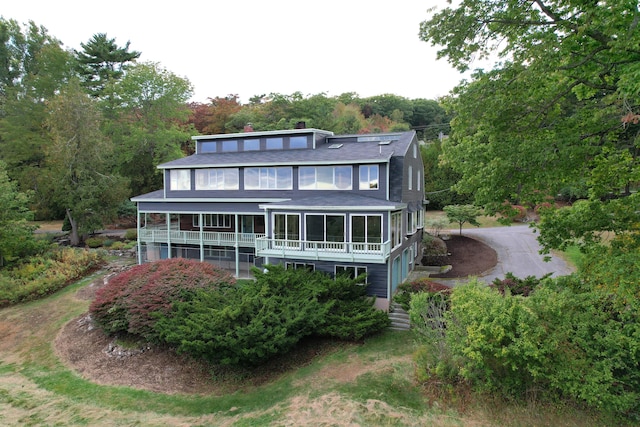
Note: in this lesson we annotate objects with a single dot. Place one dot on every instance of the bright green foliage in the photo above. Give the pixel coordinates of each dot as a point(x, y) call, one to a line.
point(569, 339)
point(462, 214)
point(588, 222)
point(147, 122)
point(252, 322)
point(16, 235)
point(563, 106)
point(33, 67)
point(440, 179)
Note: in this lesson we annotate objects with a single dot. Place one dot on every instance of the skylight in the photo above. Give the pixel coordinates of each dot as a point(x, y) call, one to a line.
point(335, 146)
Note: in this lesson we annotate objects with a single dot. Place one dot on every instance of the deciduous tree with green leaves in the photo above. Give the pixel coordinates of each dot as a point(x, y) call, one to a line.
point(16, 234)
point(148, 122)
point(560, 109)
point(462, 214)
point(33, 67)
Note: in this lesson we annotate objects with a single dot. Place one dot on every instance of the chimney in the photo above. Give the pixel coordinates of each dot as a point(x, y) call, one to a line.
point(301, 125)
point(248, 127)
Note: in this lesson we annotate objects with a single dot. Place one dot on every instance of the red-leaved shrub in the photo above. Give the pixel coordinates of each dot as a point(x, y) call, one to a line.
point(133, 300)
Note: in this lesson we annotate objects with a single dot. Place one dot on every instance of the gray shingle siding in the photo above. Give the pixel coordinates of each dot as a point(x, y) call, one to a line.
point(393, 152)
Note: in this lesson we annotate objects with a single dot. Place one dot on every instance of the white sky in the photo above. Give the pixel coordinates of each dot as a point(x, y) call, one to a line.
point(253, 47)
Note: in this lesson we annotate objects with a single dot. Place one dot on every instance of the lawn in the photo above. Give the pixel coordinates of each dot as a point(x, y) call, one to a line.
point(367, 384)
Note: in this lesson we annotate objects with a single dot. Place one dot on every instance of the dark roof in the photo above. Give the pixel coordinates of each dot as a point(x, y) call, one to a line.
point(154, 195)
point(349, 152)
point(339, 201)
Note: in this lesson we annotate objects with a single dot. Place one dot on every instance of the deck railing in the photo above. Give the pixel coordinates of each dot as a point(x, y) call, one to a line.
point(159, 235)
point(329, 251)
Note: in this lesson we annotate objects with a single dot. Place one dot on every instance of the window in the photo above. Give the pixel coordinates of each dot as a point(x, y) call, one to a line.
point(412, 222)
point(325, 228)
point(420, 218)
point(325, 178)
point(251, 144)
point(274, 144)
point(180, 179)
point(299, 265)
point(415, 151)
point(366, 229)
point(351, 271)
point(368, 177)
point(229, 146)
point(298, 142)
point(419, 181)
point(208, 147)
point(286, 226)
point(268, 178)
point(396, 229)
point(213, 221)
point(217, 179)
point(410, 178)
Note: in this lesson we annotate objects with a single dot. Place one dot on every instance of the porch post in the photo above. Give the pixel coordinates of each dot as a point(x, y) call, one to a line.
point(201, 224)
point(168, 234)
point(237, 247)
point(267, 232)
point(138, 232)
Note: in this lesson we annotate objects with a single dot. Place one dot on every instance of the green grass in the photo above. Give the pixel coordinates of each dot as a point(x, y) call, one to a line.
point(573, 255)
point(369, 383)
point(485, 221)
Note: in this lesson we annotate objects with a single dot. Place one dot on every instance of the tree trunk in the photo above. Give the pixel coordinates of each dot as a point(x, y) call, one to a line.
point(74, 237)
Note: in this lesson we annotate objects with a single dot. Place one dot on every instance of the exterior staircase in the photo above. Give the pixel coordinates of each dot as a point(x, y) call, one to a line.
point(399, 318)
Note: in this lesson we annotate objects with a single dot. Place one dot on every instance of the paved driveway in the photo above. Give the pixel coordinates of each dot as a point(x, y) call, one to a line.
point(518, 252)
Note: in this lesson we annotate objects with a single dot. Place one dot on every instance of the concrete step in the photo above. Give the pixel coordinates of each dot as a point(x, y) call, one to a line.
point(399, 318)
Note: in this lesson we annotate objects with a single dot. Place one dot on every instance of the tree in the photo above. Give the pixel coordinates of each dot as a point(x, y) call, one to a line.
point(440, 179)
point(16, 235)
point(33, 67)
point(562, 103)
point(462, 214)
point(147, 119)
point(102, 61)
point(219, 114)
point(80, 162)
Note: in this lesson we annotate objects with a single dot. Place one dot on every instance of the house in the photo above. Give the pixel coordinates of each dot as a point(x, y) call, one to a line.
point(305, 198)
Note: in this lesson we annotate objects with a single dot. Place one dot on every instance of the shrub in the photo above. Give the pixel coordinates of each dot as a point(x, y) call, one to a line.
point(513, 213)
point(433, 245)
point(256, 320)
point(407, 290)
point(45, 274)
point(107, 243)
point(131, 234)
point(117, 246)
point(564, 341)
point(94, 242)
point(351, 314)
point(134, 300)
point(436, 224)
point(516, 286)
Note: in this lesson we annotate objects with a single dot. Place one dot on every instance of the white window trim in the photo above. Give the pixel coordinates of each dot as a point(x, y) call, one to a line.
point(315, 179)
point(366, 185)
point(357, 271)
point(263, 184)
point(344, 227)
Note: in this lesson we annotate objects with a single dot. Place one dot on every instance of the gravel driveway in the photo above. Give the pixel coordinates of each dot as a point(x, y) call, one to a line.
point(518, 252)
